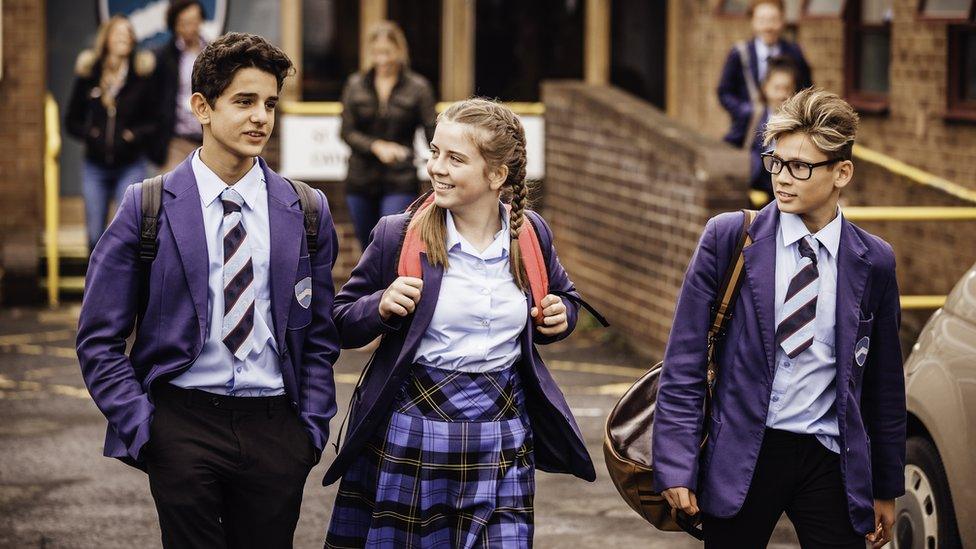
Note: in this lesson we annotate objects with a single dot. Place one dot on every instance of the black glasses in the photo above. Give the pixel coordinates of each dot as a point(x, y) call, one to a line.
point(798, 169)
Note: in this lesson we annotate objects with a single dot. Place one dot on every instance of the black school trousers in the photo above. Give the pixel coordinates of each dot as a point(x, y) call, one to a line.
point(226, 472)
point(797, 475)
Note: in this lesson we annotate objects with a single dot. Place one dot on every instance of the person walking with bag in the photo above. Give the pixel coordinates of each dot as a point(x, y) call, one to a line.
point(226, 393)
point(112, 109)
point(456, 409)
point(382, 108)
point(808, 415)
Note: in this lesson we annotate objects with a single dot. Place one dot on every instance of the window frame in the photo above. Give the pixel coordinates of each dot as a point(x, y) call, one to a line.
point(921, 16)
point(865, 102)
point(805, 14)
point(958, 109)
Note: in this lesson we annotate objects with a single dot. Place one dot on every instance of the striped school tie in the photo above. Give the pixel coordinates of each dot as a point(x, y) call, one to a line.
point(238, 323)
point(795, 332)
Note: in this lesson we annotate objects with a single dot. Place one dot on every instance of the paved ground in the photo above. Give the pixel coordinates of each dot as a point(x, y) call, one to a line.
point(57, 491)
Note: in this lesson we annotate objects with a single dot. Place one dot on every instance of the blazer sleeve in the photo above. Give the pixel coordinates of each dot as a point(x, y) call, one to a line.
point(355, 138)
point(428, 111)
point(356, 313)
point(558, 281)
point(803, 73)
point(883, 395)
point(108, 313)
point(321, 347)
point(677, 430)
point(731, 86)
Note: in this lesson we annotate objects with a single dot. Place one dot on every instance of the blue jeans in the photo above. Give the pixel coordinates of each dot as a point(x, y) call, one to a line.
point(367, 210)
point(99, 185)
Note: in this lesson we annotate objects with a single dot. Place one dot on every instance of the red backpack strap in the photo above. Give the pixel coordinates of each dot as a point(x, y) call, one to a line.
point(534, 262)
point(408, 263)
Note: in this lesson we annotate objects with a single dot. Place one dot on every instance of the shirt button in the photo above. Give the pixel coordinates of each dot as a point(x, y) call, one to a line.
point(238, 369)
point(485, 291)
point(485, 322)
point(775, 398)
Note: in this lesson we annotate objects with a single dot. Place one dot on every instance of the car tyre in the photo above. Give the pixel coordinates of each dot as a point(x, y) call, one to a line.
point(924, 516)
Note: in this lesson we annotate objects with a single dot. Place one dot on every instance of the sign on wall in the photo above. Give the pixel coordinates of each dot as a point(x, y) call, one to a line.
point(312, 150)
point(148, 17)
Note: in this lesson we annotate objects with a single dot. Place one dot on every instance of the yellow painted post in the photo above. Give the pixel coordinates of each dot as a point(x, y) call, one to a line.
point(370, 12)
point(52, 198)
point(596, 42)
point(291, 43)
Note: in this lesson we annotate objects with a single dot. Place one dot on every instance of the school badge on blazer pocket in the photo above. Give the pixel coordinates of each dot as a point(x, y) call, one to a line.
point(861, 350)
point(303, 292)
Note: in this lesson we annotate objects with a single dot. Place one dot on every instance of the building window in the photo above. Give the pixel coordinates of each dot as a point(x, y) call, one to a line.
point(734, 7)
point(962, 73)
point(823, 8)
point(791, 9)
point(868, 54)
point(946, 10)
point(637, 59)
point(330, 47)
point(519, 44)
point(421, 23)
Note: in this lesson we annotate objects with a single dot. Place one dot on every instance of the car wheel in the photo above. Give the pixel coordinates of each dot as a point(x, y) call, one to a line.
point(924, 517)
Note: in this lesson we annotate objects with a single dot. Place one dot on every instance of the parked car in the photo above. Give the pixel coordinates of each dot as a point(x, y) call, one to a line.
point(938, 510)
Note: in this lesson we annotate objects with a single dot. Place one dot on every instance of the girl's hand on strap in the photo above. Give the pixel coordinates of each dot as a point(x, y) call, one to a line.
point(401, 297)
point(554, 321)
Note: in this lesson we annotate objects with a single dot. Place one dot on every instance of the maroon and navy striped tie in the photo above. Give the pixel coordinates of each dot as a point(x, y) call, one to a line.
point(238, 322)
point(796, 329)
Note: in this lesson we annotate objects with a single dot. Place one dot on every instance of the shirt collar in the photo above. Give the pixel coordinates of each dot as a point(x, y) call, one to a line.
point(793, 229)
point(763, 51)
point(181, 44)
point(498, 248)
point(210, 185)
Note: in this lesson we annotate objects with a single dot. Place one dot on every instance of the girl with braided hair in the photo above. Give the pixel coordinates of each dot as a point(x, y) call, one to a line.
point(456, 409)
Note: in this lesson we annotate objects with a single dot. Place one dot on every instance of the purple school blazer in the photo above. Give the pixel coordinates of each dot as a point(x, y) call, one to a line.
point(559, 447)
point(870, 390)
point(171, 329)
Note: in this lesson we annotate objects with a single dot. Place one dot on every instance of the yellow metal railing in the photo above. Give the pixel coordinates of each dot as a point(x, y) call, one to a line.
point(334, 108)
point(914, 174)
point(52, 198)
point(909, 213)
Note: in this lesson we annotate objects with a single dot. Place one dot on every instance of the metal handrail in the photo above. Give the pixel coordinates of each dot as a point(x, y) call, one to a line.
point(916, 175)
point(334, 108)
point(52, 197)
point(909, 213)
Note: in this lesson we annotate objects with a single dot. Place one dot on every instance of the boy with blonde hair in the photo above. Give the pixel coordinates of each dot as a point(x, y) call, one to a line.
point(809, 409)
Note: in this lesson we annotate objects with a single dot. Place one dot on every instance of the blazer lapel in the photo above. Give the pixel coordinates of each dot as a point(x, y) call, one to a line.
point(185, 220)
point(760, 265)
point(425, 308)
point(853, 269)
point(287, 226)
point(754, 63)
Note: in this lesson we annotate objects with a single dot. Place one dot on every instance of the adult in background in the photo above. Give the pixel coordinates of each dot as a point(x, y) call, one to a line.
point(739, 90)
point(381, 110)
point(179, 131)
point(113, 110)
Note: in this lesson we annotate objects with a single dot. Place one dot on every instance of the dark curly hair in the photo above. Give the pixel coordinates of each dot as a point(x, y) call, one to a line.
point(176, 7)
point(217, 64)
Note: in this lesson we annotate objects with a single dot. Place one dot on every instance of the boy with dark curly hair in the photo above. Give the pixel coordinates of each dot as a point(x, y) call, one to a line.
point(225, 396)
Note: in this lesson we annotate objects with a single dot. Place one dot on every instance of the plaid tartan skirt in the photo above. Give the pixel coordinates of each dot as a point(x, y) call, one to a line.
point(454, 468)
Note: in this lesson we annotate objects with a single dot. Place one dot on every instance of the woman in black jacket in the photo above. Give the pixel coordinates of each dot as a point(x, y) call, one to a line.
point(381, 110)
point(113, 110)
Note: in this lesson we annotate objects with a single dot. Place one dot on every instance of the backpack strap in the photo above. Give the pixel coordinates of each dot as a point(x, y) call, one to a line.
point(727, 295)
point(755, 97)
point(152, 199)
point(310, 210)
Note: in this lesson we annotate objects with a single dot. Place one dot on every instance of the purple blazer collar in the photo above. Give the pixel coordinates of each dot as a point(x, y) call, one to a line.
point(286, 224)
point(853, 269)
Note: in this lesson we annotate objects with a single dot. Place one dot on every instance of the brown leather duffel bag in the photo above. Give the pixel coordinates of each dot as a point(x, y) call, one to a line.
point(627, 440)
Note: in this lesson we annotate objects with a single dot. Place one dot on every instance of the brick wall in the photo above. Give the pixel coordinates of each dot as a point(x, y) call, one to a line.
point(21, 157)
point(628, 192)
point(913, 130)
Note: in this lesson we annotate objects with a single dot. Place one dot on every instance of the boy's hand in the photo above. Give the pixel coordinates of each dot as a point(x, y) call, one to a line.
point(683, 499)
point(554, 321)
point(401, 297)
point(884, 520)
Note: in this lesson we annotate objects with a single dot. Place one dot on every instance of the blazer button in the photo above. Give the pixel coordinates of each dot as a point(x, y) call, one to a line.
point(215, 402)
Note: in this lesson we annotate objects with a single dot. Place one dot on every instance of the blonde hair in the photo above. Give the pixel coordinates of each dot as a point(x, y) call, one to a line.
point(829, 121)
point(101, 38)
point(500, 138)
point(392, 32)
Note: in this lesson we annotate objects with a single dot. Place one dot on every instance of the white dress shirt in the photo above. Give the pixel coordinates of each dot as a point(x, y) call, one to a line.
point(216, 370)
point(480, 312)
point(804, 388)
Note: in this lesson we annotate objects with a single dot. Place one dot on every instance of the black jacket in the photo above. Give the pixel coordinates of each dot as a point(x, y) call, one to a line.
point(135, 110)
point(411, 104)
point(167, 79)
